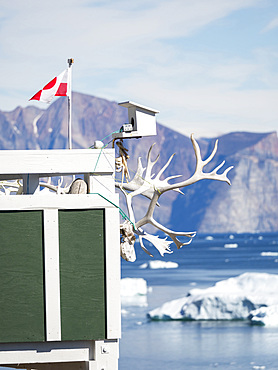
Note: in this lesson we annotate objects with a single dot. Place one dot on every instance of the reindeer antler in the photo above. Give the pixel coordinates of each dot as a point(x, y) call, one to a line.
point(199, 174)
point(153, 187)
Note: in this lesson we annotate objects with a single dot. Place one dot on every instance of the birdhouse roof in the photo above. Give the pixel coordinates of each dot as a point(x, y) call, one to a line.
point(130, 104)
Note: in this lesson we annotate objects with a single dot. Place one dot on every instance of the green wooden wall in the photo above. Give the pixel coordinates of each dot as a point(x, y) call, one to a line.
point(21, 277)
point(82, 274)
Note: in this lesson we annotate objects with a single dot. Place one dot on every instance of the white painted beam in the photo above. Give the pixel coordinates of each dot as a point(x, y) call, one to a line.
point(113, 273)
point(55, 162)
point(59, 201)
point(45, 352)
point(52, 275)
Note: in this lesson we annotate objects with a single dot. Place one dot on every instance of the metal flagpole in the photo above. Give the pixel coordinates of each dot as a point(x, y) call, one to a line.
point(70, 62)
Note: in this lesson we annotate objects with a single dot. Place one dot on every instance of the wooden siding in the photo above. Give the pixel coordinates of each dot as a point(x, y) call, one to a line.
point(82, 274)
point(21, 276)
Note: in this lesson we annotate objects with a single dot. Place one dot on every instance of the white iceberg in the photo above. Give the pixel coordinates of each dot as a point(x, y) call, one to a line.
point(267, 316)
point(231, 299)
point(133, 286)
point(134, 292)
point(157, 264)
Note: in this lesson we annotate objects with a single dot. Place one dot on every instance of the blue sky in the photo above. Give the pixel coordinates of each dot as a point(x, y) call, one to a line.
point(209, 66)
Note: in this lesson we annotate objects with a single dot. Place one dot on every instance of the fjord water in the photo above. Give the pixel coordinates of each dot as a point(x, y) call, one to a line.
point(193, 345)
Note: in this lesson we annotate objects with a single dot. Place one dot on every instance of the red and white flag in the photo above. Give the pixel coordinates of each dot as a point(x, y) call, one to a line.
point(59, 86)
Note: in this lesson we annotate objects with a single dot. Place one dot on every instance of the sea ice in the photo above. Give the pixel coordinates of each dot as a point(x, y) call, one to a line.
point(231, 299)
point(157, 264)
point(267, 316)
point(134, 292)
point(231, 245)
point(269, 254)
point(133, 286)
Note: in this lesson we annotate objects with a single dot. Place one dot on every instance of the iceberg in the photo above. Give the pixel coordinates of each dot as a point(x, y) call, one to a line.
point(134, 292)
point(133, 286)
point(231, 299)
point(267, 316)
point(159, 265)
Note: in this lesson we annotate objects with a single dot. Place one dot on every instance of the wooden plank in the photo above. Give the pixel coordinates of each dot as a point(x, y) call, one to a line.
point(68, 201)
point(45, 352)
point(113, 273)
point(52, 275)
point(55, 162)
point(82, 274)
point(21, 277)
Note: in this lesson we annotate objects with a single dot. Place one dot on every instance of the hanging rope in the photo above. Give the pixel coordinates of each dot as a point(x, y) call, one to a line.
point(119, 208)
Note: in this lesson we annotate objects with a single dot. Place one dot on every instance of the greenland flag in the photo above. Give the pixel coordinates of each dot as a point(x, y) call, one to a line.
point(59, 86)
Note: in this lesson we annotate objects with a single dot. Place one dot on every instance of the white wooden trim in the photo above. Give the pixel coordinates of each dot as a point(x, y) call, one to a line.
point(89, 355)
point(52, 275)
point(106, 355)
point(113, 274)
point(56, 162)
point(104, 184)
point(45, 352)
point(59, 201)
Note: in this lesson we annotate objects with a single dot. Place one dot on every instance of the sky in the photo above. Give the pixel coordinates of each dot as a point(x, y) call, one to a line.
point(209, 66)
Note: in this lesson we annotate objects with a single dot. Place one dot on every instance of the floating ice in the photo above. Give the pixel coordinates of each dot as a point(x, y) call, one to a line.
point(231, 299)
point(159, 265)
point(269, 254)
point(134, 292)
point(133, 286)
point(267, 316)
point(231, 245)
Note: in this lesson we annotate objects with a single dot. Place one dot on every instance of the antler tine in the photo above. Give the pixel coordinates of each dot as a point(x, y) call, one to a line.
point(196, 148)
point(214, 172)
point(165, 166)
point(150, 163)
point(143, 247)
point(172, 234)
point(210, 157)
point(172, 177)
point(225, 174)
point(201, 163)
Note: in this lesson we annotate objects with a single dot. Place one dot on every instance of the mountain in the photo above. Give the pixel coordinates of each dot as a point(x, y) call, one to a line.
point(249, 205)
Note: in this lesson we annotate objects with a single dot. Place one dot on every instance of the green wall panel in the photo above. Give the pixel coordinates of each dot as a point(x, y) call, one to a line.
point(21, 276)
point(82, 274)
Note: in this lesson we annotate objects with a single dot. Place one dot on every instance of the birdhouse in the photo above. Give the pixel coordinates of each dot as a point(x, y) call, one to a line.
point(141, 121)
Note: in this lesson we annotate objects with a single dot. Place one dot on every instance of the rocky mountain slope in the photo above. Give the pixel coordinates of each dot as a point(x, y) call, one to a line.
point(249, 205)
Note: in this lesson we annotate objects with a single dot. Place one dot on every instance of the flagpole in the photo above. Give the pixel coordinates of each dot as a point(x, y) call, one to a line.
point(70, 62)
